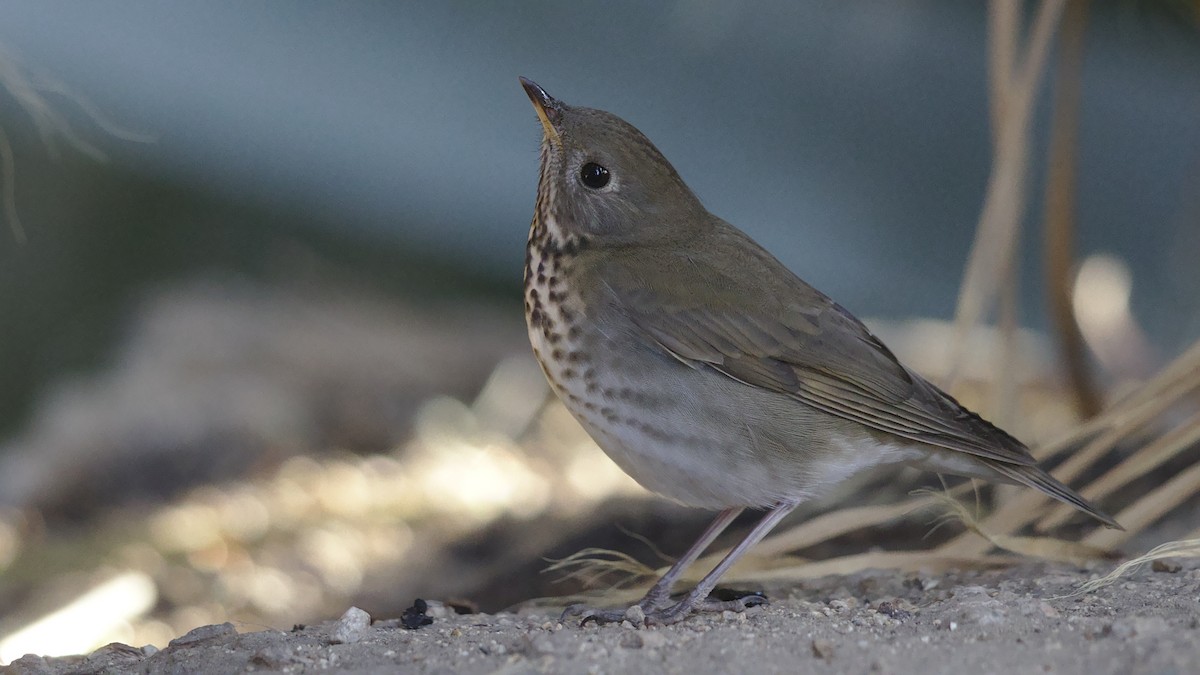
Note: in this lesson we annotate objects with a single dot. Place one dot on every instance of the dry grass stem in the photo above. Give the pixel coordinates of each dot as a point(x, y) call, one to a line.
point(1132, 415)
point(1187, 548)
point(1059, 208)
point(1121, 425)
point(1149, 509)
point(50, 124)
point(8, 188)
point(1142, 462)
point(837, 523)
point(591, 566)
point(1013, 88)
point(1038, 547)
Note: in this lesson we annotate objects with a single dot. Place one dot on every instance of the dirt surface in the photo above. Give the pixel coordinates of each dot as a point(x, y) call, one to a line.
point(1012, 620)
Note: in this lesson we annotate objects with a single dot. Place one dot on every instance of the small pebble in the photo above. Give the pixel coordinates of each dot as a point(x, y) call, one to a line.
point(204, 634)
point(274, 656)
point(822, 649)
point(635, 615)
point(652, 639)
point(1166, 565)
point(351, 627)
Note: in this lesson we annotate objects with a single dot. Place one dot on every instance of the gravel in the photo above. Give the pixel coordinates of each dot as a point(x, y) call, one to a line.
point(1015, 620)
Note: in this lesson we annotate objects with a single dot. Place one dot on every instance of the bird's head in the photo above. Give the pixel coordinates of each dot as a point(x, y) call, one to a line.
point(603, 179)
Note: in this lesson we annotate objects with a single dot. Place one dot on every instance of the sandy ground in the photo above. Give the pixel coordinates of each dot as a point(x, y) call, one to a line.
point(1011, 620)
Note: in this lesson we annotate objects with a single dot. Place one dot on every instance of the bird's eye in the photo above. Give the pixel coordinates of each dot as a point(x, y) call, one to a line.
point(594, 176)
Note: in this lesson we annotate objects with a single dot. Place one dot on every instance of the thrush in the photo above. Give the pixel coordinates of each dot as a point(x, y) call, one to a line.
point(707, 370)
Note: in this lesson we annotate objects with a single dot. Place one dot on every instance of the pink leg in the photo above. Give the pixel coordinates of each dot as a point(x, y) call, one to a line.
point(660, 593)
point(698, 598)
point(662, 590)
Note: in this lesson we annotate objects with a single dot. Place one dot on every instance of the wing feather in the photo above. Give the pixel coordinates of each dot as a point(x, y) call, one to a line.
point(830, 361)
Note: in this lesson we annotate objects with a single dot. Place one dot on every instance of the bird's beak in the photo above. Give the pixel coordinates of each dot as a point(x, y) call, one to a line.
point(549, 111)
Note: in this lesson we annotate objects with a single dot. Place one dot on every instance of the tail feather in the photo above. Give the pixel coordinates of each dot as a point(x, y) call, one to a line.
point(1038, 479)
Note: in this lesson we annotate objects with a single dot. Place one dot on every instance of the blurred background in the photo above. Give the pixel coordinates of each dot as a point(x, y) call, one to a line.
point(261, 344)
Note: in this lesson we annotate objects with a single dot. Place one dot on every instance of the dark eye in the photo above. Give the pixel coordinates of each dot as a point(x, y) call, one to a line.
point(593, 175)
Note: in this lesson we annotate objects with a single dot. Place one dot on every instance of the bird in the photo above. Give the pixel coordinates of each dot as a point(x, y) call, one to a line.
point(705, 368)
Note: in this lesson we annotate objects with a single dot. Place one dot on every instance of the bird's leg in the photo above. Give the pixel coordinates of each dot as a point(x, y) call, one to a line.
point(660, 593)
point(698, 599)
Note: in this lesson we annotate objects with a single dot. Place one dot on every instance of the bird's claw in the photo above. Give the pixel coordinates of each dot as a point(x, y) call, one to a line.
point(591, 614)
point(654, 613)
point(731, 601)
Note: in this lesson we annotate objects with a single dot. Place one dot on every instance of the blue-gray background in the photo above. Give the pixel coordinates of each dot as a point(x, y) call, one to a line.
point(850, 138)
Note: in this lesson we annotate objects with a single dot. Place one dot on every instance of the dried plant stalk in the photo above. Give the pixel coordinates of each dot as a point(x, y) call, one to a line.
point(1046, 548)
point(1149, 508)
point(1145, 460)
point(1059, 209)
point(837, 523)
point(1014, 89)
point(1189, 548)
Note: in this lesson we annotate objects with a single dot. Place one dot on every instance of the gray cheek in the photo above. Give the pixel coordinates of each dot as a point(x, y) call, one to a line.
point(604, 220)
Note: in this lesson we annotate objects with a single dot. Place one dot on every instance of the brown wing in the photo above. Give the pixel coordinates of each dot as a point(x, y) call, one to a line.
point(808, 347)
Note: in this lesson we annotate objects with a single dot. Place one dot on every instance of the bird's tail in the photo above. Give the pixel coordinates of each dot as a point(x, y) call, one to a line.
point(1037, 479)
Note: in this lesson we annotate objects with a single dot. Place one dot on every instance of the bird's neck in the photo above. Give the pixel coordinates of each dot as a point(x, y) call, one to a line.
point(550, 242)
point(548, 233)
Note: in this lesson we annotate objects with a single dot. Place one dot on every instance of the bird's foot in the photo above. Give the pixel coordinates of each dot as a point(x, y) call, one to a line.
point(654, 611)
point(720, 600)
point(594, 615)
